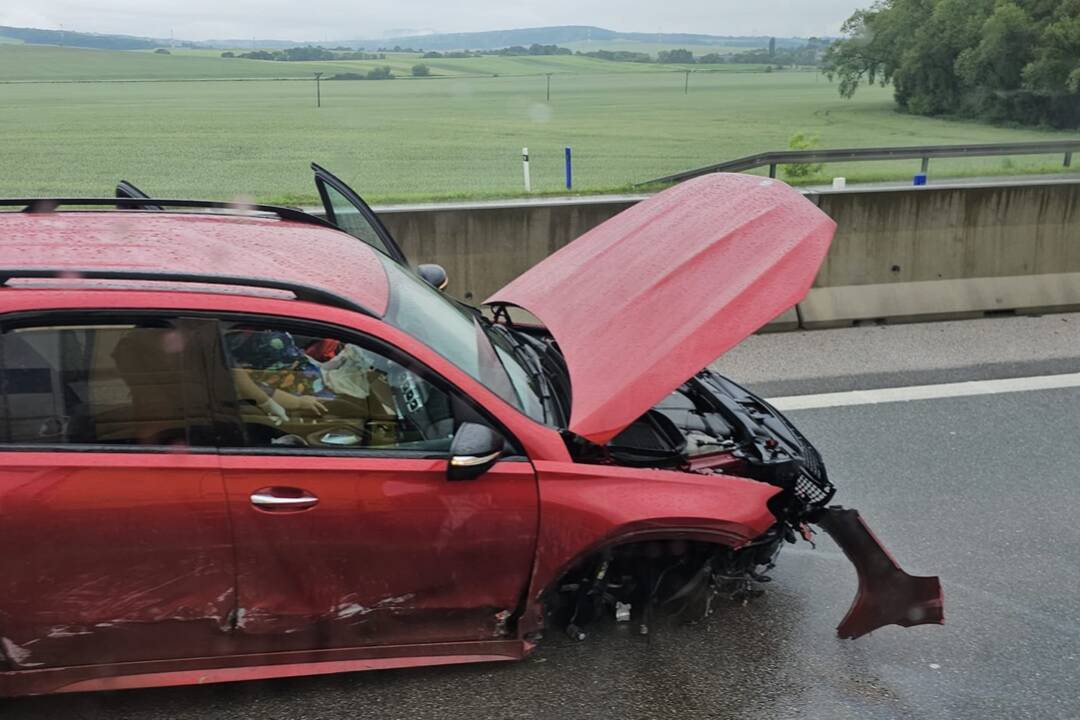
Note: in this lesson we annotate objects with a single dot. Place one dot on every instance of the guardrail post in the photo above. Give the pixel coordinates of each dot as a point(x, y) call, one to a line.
point(772, 170)
point(925, 165)
point(1068, 159)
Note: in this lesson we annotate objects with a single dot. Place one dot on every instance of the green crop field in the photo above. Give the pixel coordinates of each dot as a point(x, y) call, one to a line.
point(43, 63)
point(456, 136)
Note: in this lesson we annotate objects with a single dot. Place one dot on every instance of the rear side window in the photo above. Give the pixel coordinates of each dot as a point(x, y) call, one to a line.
point(117, 384)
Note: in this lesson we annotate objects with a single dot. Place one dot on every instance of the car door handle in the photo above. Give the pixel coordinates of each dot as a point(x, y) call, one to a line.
point(283, 498)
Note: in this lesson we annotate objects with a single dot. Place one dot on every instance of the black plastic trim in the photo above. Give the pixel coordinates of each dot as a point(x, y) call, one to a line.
point(110, 449)
point(301, 291)
point(146, 204)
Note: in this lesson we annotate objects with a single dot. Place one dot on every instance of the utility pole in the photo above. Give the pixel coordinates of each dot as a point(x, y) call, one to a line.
point(548, 87)
point(318, 90)
point(686, 85)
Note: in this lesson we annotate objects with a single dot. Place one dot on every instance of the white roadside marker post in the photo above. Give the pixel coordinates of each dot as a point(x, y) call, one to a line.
point(525, 168)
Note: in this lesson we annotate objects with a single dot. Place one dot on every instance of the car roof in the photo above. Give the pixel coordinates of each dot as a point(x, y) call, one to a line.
point(270, 252)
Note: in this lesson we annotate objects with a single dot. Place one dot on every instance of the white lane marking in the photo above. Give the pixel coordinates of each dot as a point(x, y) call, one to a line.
point(926, 392)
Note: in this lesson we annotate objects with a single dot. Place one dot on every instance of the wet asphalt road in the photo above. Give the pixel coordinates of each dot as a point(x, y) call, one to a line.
point(983, 491)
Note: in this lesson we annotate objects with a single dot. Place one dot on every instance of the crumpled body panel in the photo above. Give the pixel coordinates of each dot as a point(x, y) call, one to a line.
point(122, 559)
point(887, 595)
point(394, 553)
point(584, 508)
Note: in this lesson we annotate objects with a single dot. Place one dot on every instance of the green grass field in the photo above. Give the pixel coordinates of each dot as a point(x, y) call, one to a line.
point(42, 63)
point(450, 137)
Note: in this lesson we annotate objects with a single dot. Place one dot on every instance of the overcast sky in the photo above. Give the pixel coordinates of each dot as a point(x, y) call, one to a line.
point(351, 19)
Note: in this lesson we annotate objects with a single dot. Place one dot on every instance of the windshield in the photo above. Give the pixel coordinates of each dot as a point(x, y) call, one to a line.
point(459, 335)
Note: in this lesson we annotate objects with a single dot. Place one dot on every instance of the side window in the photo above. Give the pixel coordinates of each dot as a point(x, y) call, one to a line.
point(310, 391)
point(128, 385)
point(349, 218)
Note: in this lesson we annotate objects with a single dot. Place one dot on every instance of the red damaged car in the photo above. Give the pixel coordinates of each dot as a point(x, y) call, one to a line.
point(240, 443)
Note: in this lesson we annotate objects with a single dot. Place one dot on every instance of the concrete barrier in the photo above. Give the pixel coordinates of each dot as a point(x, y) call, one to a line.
point(948, 251)
point(484, 245)
point(899, 254)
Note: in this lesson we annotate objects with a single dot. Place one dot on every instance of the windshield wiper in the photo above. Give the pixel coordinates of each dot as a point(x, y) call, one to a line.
point(532, 361)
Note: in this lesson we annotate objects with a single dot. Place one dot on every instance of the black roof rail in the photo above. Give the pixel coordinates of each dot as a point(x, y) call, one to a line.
point(45, 205)
point(300, 291)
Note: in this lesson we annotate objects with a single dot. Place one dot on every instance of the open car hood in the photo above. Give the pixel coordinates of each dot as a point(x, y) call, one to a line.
point(643, 301)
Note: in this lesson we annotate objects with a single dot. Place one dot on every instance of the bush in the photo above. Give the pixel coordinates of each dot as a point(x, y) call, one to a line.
point(534, 49)
point(380, 73)
point(162, 51)
point(712, 59)
point(421, 70)
point(258, 55)
point(675, 56)
point(228, 54)
point(802, 141)
point(618, 56)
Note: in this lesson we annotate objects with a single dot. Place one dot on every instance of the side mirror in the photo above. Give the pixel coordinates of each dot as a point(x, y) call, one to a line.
point(473, 451)
point(434, 275)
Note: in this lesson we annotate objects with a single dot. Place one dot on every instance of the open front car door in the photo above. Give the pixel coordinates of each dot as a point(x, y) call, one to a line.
point(347, 210)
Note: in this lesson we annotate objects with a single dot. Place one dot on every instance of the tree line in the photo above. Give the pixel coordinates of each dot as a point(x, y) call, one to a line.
point(809, 54)
point(512, 51)
point(67, 38)
point(303, 54)
point(1014, 61)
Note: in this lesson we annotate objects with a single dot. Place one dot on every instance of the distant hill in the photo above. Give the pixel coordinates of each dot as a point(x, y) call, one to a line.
point(67, 38)
point(495, 39)
point(270, 44)
point(489, 40)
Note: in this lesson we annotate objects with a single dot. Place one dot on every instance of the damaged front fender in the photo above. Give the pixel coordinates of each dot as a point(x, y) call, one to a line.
point(887, 595)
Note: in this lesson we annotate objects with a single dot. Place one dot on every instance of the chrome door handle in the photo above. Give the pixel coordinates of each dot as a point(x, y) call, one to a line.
point(283, 499)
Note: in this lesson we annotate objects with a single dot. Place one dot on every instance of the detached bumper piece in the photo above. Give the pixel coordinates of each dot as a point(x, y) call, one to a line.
point(887, 595)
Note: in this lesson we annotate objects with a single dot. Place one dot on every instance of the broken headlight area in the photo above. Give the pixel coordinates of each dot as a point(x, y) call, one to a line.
point(688, 580)
point(640, 582)
point(712, 426)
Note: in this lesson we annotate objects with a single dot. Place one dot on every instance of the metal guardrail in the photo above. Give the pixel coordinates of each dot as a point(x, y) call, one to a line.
point(916, 152)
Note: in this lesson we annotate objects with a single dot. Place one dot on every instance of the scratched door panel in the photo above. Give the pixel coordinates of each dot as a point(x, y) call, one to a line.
point(113, 558)
point(392, 553)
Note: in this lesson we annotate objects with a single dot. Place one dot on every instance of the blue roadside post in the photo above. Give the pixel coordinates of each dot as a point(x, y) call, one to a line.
point(569, 170)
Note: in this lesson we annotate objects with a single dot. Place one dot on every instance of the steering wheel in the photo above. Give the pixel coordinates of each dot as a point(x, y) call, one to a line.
point(427, 411)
